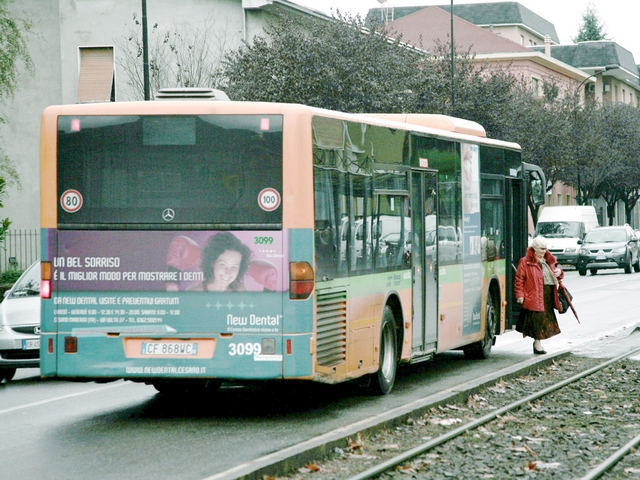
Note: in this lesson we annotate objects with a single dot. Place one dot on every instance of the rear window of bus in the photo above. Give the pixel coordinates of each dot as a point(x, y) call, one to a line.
point(162, 171)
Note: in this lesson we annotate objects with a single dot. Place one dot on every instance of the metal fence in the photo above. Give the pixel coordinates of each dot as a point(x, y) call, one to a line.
point(19, 250)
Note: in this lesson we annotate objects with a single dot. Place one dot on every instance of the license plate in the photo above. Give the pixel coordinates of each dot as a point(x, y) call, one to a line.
point(170, 348)
point(31, 344)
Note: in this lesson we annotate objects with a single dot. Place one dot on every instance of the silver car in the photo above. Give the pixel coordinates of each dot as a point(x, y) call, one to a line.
point(609, 247)
point(20, 324)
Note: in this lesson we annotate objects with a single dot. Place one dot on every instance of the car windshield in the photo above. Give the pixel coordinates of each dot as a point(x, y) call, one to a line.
point(559, 229)
point(29, 283)
point(606, 236)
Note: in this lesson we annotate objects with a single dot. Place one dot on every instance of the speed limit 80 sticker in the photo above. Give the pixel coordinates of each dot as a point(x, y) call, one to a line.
point(269, 199)
point(71, 201)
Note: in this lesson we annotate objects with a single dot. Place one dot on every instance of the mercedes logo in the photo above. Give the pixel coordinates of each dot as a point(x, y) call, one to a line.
point(168, 214)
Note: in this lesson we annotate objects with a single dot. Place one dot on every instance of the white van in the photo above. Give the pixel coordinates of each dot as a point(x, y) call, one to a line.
point(563, 227)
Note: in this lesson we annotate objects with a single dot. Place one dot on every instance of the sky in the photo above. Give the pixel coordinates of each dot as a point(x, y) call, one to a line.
point(620, 17)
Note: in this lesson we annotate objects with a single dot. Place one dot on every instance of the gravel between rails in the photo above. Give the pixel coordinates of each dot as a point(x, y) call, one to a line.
point(560, 436)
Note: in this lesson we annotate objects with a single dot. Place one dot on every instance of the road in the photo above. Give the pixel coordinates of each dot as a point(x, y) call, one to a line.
point(60, 430)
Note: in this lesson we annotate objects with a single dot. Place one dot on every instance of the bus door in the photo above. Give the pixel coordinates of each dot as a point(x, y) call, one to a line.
point(523, 195)
point(515, 241)
point(424, 254)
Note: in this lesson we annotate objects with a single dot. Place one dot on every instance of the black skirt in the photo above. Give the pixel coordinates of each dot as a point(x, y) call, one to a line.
point(539, 325)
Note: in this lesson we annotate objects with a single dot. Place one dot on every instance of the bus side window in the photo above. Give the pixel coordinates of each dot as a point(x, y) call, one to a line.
point(392, 239)
point(326, 226)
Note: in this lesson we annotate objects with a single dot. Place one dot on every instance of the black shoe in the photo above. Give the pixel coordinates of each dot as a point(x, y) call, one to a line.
point(539, 352)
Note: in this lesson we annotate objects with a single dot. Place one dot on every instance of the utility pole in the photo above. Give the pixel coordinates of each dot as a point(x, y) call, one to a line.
point(145, 52)
point(453, 63)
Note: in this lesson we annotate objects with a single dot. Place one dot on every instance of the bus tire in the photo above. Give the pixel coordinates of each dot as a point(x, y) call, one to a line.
point(482, 349)
point(7, 374)
point(382, 381)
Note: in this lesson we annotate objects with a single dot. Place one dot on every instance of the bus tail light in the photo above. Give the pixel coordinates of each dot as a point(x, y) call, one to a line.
point(45, 284)
point(301, 280)
point(50, 346)
point(70, 344)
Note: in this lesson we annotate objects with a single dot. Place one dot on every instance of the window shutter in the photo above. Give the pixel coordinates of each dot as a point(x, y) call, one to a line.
point(95, 81)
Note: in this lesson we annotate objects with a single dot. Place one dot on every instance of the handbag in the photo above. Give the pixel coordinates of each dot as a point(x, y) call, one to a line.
point(565, 298)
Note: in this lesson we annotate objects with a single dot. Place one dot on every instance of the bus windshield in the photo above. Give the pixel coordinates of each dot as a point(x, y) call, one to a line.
point(163, 170)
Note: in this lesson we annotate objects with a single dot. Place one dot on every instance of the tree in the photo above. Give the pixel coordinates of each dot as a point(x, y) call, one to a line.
point(13, 49)
point(481, 92)
point(621, 182)
point(14, 54)
point(605, 159)
point(588, 165)
point(184, 56)
point(544, 133)
point(343, 66)
point(334, 64)
point(591, 29)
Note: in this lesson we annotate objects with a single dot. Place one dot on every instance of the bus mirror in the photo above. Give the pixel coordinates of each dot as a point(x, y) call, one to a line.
point(536, 188)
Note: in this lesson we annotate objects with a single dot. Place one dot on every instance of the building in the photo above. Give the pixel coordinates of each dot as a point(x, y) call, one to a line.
point(425, 27)
point(614, 67)
point(75, 47)
point(508, 33)
point(507, 19)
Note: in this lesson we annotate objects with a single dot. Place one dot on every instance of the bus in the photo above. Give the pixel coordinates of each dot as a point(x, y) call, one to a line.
point(188, 243)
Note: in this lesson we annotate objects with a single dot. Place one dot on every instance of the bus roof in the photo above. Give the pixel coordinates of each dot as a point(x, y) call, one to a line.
point(440, 122)
point(439, 125)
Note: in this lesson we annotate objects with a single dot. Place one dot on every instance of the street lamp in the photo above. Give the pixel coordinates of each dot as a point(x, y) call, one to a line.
point(594, 74)
point(575, 122)
point(453, 64)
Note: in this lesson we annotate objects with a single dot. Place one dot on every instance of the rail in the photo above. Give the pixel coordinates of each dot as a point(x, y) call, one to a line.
point(19, 249)
point(385, 466)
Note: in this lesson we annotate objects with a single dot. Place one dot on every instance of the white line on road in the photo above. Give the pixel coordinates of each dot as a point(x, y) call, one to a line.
point(55, 399)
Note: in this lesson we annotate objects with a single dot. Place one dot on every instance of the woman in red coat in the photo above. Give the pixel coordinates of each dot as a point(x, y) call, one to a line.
point(537, 292)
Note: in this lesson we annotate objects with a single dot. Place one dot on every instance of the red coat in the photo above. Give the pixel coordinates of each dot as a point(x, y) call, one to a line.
point(530, 282)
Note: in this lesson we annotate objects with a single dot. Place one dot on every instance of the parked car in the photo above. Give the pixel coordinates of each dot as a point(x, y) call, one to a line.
point(20, 324)
point(608, 247)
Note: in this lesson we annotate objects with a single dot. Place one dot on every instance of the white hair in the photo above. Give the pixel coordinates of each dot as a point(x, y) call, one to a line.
point(539, 242)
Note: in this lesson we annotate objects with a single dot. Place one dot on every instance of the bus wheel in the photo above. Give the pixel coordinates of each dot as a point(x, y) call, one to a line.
point(382, 382)
point(7, 373)
point(482, 349)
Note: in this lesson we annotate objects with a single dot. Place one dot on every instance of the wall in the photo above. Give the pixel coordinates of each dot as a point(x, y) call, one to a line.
point(22, 113)
point(60, 27)
point(513, 33)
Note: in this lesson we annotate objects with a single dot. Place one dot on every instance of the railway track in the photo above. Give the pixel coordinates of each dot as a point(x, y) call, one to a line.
point(582, 426)
point(594, 471)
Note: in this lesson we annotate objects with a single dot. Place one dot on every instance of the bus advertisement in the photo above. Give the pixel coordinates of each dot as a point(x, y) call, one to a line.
point(190, 243)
